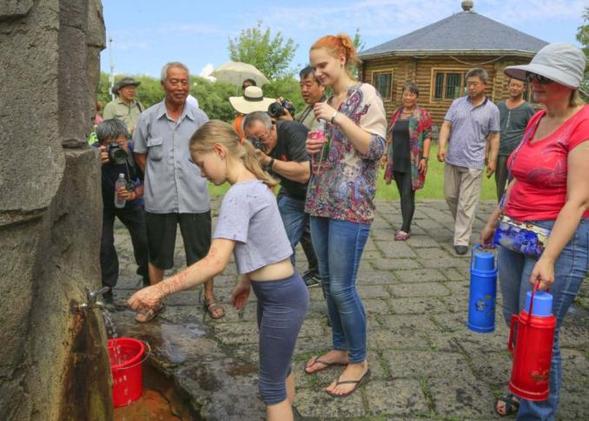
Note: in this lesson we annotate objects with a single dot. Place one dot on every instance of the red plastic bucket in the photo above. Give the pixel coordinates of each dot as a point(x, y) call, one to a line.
point(126, 364)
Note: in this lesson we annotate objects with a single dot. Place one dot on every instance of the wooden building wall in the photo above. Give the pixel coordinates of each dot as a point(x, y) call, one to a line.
point(421, 70)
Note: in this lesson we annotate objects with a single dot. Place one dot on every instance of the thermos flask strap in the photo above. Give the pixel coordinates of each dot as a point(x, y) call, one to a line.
point(512, 332)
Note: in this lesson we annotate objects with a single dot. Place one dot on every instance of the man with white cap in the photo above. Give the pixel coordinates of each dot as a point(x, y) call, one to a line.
point(549, 192)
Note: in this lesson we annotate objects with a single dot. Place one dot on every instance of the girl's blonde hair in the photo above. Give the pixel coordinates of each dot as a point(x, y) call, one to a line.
point(218, 132)
point(338, 45)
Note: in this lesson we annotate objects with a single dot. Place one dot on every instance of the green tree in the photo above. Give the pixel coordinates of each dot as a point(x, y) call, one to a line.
point(148, 93)
point(256, 46)
point(213, 98)
point(358, 41)
point(359, 44)
point(287, 88)
point(583, 38)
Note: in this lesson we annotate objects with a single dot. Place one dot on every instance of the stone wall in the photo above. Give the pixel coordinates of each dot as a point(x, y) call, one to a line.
point(50, 211)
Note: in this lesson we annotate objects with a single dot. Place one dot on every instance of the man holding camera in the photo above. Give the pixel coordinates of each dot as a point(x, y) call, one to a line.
point(175, 191)
point(282, 109)
point(282, 151)
point(116, 157)
point(312, 92)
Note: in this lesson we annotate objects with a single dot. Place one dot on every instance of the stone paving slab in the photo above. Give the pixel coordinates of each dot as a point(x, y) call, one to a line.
point(425, 363)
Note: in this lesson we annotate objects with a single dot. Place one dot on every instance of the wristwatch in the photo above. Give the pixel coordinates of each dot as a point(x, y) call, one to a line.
point(425, 157)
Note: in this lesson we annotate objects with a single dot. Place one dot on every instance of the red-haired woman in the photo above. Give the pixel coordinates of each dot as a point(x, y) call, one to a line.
point(340, 202)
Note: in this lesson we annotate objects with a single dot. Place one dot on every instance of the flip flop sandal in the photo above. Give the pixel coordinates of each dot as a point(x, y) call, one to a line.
point(150, 314)
point(356, 384)
point(211, 306)
point(402, 236)
point(510, 404)
point(325, 364)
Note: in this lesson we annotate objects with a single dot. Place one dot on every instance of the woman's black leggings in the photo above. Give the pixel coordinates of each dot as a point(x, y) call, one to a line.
point(403, 180)
point(282, 306)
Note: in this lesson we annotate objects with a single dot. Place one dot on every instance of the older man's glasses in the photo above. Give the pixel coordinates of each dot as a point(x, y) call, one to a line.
point(533, 77)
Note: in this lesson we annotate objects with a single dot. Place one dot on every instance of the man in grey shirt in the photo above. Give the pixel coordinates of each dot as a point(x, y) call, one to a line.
point(470, 123)
point(175, 191)
point(514, 114)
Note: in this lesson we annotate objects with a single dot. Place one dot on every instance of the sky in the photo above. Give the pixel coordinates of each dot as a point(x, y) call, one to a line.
point(146, 34)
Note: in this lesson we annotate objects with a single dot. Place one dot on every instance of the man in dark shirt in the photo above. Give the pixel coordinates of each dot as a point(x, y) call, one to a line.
point(113, 131)
point(514, 114)
point(284, 155)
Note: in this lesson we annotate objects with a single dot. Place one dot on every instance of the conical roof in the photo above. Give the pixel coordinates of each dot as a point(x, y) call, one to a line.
point(462, 33)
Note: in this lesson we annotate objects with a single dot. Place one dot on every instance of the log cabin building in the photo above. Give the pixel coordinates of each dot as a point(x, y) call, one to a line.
point(438, 56)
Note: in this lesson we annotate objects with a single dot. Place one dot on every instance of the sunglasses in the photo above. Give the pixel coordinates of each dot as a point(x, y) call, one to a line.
point(533, 77)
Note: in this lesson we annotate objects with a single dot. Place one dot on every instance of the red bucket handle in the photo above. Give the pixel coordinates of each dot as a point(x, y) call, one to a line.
point(145, 357)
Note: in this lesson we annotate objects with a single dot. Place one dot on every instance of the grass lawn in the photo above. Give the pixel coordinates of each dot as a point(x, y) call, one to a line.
point(433, 189)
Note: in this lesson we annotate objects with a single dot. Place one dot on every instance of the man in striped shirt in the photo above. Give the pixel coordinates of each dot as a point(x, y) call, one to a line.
point(469, 140)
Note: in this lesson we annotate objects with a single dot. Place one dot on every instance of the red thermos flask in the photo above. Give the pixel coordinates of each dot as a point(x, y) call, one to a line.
point(533, 331)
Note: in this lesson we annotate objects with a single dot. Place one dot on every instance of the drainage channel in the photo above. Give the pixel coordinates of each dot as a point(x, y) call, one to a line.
point(161, 400)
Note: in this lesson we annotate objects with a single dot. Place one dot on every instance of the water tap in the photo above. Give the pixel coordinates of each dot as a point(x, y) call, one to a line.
point(92, 297)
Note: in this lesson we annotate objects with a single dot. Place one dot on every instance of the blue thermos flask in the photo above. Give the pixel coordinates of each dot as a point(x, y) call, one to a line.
point(483, 290)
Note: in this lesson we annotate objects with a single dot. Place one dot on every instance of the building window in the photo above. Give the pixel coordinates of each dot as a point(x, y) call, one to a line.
point(448, 85)
point(383, 82)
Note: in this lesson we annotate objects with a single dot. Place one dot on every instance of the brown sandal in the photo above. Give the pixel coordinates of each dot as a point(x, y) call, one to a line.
point(215, 310)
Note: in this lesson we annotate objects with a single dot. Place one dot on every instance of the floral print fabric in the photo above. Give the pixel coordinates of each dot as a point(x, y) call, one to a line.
point(420, 125)
point(345, 191)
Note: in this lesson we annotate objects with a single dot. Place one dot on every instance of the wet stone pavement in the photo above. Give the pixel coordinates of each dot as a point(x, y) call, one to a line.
point(425, 363)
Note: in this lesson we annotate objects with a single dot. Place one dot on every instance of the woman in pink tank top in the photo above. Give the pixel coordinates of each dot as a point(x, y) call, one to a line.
point(550, 189)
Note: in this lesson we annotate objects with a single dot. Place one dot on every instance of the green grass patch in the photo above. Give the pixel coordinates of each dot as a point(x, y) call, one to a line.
point(433, 189)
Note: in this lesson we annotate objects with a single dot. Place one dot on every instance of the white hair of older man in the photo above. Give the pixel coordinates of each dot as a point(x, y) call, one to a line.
point(171, 64)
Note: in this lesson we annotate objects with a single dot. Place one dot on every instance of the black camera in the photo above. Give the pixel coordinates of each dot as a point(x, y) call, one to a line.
point(116, 154)
point(278, 109)
point(258, 144)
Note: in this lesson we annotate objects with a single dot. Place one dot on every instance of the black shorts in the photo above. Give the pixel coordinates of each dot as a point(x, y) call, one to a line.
point(195, 229)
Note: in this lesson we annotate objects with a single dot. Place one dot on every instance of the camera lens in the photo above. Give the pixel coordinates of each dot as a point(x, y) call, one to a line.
point(275, 110)
point(116, 154)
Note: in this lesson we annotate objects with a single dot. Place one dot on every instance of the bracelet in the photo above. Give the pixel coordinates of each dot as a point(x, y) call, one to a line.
point(425, 157)
point(332, 119)
point(271, 164)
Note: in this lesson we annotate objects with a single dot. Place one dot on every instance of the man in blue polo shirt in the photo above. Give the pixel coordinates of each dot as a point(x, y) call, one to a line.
point(469, 140)
point(175, 191)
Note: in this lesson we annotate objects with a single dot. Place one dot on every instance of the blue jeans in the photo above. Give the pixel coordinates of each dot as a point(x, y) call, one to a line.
point(292, 212)
point(338, 246)
point(569, 271)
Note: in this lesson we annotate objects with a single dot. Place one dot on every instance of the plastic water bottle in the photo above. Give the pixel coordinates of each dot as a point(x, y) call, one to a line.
point(121, 182)
point(319, 160)
point(530, 340)
point(483, 290)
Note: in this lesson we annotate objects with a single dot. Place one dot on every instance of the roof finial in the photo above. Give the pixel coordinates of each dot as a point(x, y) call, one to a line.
point(467, 5)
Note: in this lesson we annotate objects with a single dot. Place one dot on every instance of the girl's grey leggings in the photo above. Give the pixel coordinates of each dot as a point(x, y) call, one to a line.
point(282, 305)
